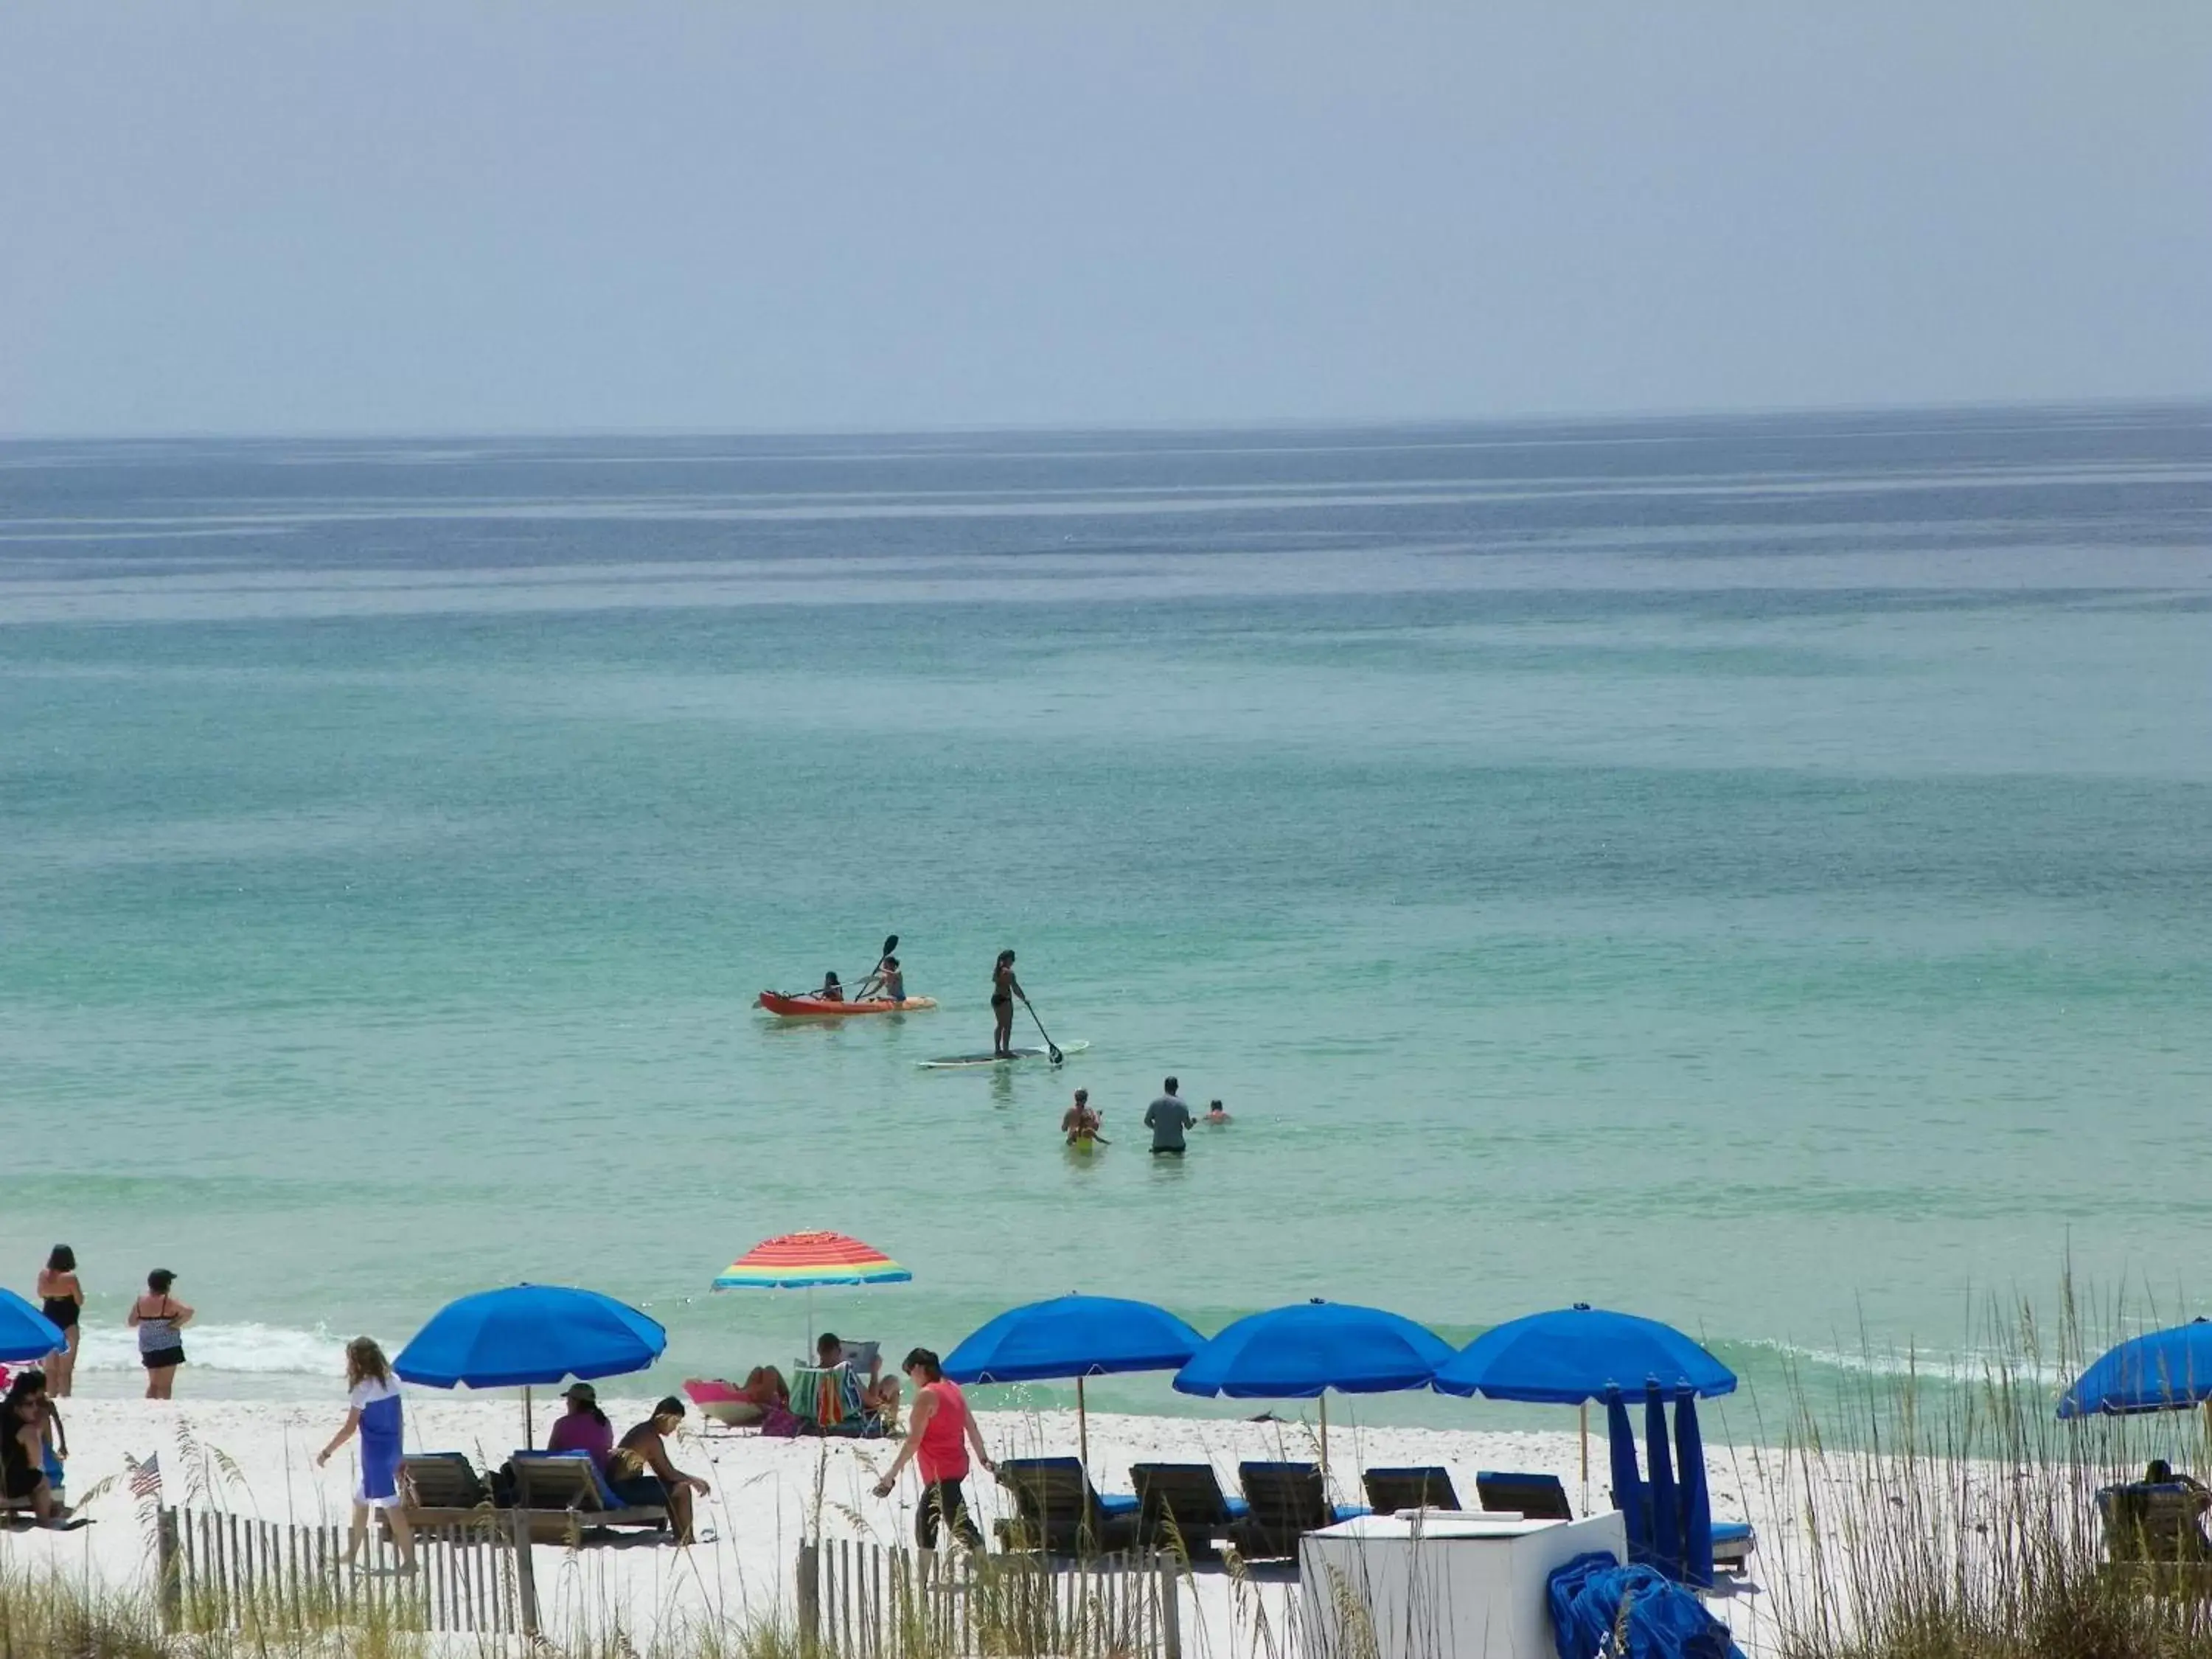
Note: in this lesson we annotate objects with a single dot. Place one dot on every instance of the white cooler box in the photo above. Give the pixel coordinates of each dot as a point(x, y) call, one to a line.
point(1428, 1583)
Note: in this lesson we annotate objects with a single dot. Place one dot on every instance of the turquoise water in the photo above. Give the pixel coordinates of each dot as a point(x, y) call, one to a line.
point(1756, 873)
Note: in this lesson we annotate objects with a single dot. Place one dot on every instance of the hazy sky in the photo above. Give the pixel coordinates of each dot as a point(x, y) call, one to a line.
point(314, 214)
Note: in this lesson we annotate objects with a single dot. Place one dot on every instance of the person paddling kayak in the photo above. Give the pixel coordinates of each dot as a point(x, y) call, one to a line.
point(1005, 987)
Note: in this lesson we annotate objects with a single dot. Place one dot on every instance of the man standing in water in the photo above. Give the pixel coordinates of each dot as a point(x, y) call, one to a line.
point(1166, 1118)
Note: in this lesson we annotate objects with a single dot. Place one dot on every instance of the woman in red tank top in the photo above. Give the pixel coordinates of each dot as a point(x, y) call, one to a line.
point(937, 1437)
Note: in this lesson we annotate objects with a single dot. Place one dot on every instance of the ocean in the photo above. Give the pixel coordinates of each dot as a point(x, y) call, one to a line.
point(1756, 872)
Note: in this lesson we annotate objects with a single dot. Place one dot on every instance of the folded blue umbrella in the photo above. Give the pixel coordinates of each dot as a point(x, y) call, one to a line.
point(25, 1333)
point(1570, 1355)
point(1697, 1496)
point(1073, 1336)
point(1666, 1503)
point(2158, 1371)
point(527, 1335)
point(1627, 1482)
point(1300, 1352)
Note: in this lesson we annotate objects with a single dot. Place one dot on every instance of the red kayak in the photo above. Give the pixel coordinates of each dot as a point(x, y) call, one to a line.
point(804, 1007)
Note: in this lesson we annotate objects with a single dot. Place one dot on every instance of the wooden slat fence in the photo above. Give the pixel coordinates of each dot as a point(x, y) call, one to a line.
point(859, 1601)
point(225, 1572)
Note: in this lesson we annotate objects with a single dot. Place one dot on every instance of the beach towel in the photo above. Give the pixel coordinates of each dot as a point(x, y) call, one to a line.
point(1661, 1620)
point(379, 1405)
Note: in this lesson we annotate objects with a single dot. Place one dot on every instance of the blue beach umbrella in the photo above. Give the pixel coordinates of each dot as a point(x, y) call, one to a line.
point(25, 1333)
point(529, 1335)
point(2158, 1371)
point(1571, 1355)
point(1301, 1352)
point(1076, 1336)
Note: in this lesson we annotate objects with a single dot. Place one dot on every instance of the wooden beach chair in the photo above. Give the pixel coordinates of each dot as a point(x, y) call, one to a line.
point(1059, 1513)
point(1425, 1488)
point(1180, 1508)
point(1537, 1497)
point(1286, 1499)
point(442, 1489)
point(563, 1493)
point(2163, 1523)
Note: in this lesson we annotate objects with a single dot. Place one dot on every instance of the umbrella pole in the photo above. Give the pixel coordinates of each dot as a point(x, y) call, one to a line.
point(1585, 1416)
point(528, 1428)
point(1324, 1436)
point(1082, 1428)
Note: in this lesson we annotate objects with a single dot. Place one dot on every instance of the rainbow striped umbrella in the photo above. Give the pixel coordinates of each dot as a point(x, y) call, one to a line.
point(794, 1262)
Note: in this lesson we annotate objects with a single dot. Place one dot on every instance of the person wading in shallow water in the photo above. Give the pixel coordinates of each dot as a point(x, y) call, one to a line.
point(1005, 987)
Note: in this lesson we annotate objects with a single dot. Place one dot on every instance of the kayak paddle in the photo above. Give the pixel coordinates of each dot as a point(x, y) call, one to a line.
point(1051, 1048)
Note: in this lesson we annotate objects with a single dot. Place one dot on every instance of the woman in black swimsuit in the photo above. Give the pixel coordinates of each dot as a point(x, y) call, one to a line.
point(63, 1302)
point(1005, 987)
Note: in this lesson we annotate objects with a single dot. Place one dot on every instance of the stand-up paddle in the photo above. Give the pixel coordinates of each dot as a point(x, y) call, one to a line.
point(1050, 1047)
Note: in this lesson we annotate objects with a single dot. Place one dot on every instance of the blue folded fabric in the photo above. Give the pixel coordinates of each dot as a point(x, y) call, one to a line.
point(1235, 1508)
point(1348, 1511)
point(1115, 1502)
point(1729, 1531)
point(1663, 1620)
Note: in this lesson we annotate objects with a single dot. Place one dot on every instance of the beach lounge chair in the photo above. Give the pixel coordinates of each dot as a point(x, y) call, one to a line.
point(2162, 1524)
point(1286, 1499)
point(1733, 1543)
point(829, 1401)
point(1538, 1497)
point(1426, 1487)
point(442, 1489)
point(1181, 1508)
point(1058, 1512)
point(722, 1401)
point(563, 1492)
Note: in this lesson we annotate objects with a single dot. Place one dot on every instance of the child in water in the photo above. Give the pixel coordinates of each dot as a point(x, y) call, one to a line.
point(1079, 1123)
point(1215, 1115)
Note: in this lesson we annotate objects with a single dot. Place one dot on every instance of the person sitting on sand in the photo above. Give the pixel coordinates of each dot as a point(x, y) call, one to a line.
point(583, 1427)
point(879, 1394)
point(1079, 1123)
point(831, 991)
point(638, 1471)
point(23, 1448)
point(1216, 1115)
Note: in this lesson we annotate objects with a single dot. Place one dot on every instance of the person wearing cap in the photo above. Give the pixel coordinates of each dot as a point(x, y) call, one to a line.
point(583, 1427)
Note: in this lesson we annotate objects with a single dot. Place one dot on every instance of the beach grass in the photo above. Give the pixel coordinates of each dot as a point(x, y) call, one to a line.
point(1946, 1512)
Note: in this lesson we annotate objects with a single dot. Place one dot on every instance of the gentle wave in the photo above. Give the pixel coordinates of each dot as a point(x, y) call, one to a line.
point(260, 1350)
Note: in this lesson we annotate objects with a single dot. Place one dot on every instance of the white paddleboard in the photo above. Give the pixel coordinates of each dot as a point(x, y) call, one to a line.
point(954, 1062)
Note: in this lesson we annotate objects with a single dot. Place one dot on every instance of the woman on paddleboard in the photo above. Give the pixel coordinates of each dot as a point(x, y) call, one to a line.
point(1005, 987)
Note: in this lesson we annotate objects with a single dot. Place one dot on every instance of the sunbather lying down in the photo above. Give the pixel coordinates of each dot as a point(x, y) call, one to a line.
point(879, 1394)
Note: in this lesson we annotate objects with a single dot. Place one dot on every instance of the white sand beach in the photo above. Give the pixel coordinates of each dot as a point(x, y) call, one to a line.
point(256, 1458)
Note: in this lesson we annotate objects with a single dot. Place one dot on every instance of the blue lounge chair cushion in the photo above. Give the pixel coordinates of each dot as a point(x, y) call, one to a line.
point(1349, 1511)
point(1730, 1532)
point(1117, 1502)
point(1237, 1508)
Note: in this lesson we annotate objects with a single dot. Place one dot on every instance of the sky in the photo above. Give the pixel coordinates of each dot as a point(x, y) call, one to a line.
point(544, 217)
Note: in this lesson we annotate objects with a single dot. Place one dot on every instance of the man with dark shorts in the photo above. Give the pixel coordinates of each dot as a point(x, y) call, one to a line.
point(939, 1435)
point(1166, 1118)
point(638, 1471)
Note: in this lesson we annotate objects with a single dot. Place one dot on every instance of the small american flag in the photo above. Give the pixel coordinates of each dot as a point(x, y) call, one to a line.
point(146, 1477)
